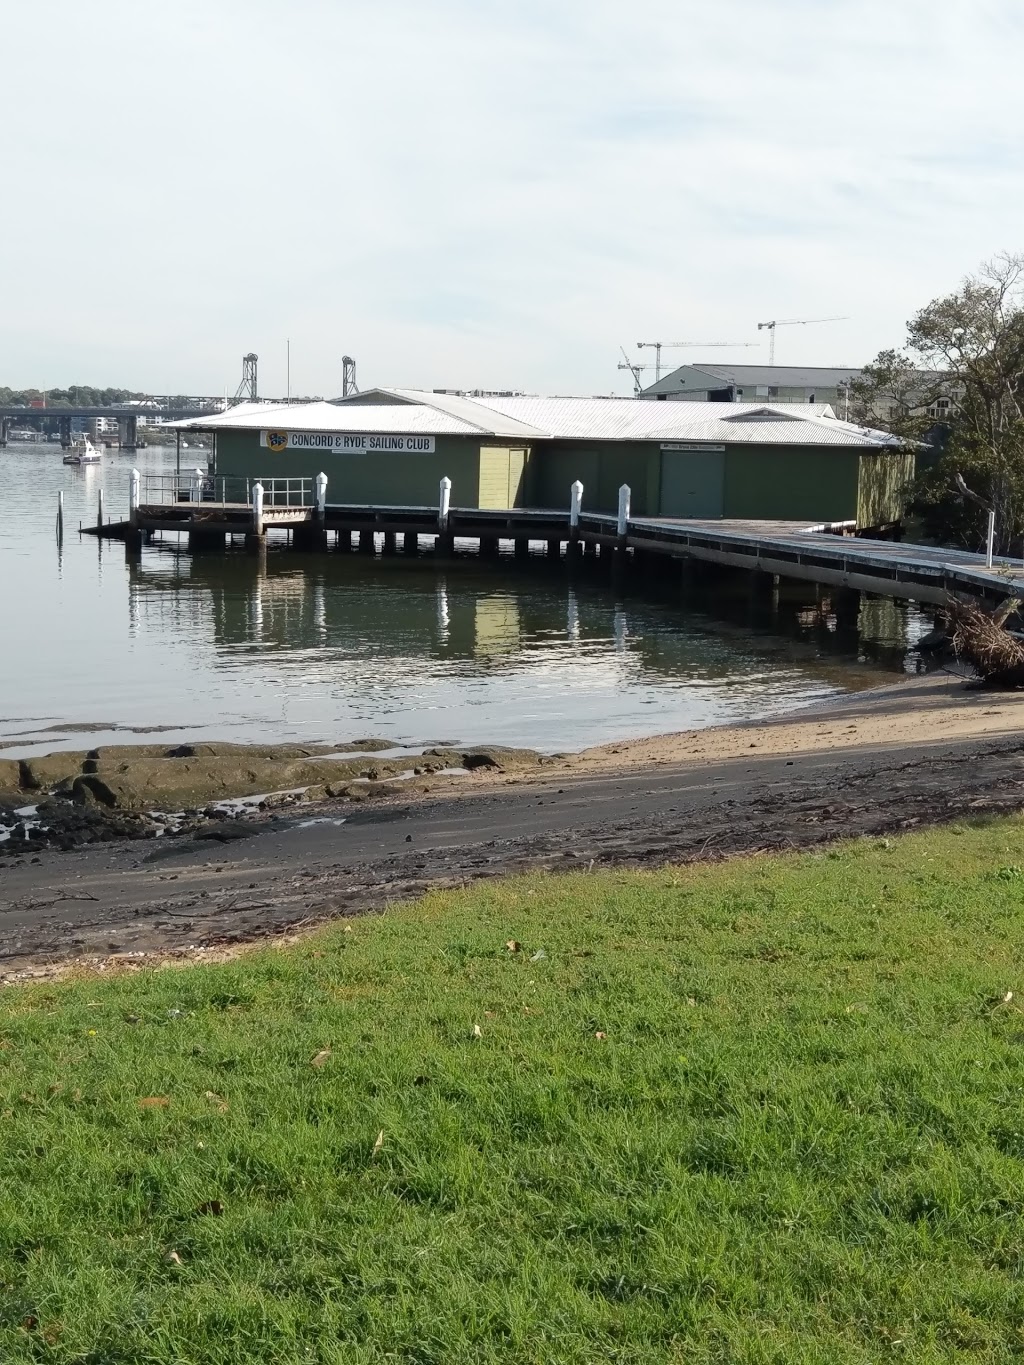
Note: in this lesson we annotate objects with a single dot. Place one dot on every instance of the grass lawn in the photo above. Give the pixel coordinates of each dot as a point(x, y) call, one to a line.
point(766, 1111)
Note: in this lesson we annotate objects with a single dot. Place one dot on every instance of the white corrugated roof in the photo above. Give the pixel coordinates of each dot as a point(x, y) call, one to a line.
point(625, 419)
point(399, 418)
point(571, 419)
point(482, 413)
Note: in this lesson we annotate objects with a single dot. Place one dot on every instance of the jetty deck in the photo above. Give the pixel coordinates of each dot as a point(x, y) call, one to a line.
point(213, 511)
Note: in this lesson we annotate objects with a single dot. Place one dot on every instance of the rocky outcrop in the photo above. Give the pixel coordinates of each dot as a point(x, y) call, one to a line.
point(190, 777)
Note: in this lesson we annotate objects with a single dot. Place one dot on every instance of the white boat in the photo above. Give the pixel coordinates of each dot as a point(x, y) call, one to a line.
point(83, 454)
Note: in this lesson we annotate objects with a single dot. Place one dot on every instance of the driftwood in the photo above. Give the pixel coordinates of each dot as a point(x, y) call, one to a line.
point(980, 639)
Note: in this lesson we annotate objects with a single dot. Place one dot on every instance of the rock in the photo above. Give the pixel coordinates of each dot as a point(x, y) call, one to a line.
point(10, 775)
point(226, 831)
point(141, 777)
point(89, 788)
point(49, 770)
point(498, 757)
point(365, 746)
point(447, 758)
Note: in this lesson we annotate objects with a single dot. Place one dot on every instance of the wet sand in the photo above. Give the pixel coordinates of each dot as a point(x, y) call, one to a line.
point(921, 710)
point(924, 752)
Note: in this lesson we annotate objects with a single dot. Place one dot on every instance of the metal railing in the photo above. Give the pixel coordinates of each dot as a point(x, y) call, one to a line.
point(198, 487)
point(287, 492)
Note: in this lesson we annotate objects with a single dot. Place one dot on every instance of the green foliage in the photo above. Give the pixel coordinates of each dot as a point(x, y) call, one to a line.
point(965, 349)
point(762, 1112)
point(78, 395)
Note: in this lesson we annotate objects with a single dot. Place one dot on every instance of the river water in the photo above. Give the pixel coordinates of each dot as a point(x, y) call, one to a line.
point(99, 648)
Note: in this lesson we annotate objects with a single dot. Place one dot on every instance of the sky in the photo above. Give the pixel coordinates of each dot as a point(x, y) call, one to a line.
point(490, 193)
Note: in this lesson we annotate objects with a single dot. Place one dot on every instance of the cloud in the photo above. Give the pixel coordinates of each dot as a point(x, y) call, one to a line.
point(469, 192)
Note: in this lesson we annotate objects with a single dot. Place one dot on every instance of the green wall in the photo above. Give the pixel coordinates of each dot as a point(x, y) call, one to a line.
point(409, 480)
point(601, 466)
point(692, 483)
point(807, 483)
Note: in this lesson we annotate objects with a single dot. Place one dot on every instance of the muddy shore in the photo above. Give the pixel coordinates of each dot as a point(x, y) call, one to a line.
point(216, 791)
point(878, 763)
point(68, 799)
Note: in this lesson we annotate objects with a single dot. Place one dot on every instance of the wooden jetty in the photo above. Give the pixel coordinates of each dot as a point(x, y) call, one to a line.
point(213, 511)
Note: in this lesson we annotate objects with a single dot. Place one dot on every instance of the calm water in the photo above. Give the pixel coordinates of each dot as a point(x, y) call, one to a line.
point(337, 647)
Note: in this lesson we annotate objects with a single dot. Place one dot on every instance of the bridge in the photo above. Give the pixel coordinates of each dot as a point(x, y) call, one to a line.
point(127, 414)
point(170, 408)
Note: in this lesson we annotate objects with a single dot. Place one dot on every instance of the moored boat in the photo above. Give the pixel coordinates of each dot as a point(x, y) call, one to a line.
point(83, 454)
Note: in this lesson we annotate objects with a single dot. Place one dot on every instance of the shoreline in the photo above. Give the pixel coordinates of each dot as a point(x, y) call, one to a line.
point(223, 781)
point(928, 708)
point(922, 753)
point(131, 906)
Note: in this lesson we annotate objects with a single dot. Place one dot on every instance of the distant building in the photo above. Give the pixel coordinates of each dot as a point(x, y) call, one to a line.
point(811, 384)
point(755, 383)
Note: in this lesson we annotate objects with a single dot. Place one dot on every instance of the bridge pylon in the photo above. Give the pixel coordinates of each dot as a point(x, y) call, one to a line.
point(128, 433)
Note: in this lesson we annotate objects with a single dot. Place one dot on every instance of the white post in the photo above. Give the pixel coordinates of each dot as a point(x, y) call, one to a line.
point(60, 512)
point(133, 497)
point(575, 504)
point(257, 509)
point(623, 510)
point(99, 509)
point(444, 503)
point(990, 544)
point(321, 495)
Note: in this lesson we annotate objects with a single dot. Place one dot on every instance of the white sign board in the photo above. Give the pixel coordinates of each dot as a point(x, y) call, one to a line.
point(689, 445)
point(346, 443)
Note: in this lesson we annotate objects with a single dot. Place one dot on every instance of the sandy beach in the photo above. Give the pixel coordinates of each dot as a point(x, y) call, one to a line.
point(920, 710)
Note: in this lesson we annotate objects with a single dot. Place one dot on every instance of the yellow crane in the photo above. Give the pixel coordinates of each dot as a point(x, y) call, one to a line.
point(788, 322)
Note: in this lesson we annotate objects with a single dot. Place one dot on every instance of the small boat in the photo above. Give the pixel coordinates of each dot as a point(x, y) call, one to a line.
point(83, 454)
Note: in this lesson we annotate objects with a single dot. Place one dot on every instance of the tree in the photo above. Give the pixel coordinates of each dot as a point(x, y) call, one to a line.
point(958, 388)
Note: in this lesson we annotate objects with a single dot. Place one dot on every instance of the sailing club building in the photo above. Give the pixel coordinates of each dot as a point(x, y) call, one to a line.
point(392, 446)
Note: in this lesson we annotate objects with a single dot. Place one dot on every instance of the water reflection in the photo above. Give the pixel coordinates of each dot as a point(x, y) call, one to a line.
point(513, 642)
point(285, 646)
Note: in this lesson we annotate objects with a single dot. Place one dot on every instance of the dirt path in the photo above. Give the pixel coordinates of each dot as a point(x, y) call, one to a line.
point(170, 898)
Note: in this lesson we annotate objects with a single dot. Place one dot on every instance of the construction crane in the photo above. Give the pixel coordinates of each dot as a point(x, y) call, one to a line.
point(246, 391)
point(787, 322)
point(348, 376)
point(635, 370)
point(699, 344)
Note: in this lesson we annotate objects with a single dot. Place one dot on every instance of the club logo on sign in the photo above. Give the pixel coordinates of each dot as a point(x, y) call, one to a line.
point(277, 441)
